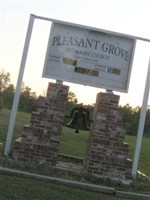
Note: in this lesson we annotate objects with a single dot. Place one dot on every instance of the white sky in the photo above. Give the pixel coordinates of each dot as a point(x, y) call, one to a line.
point(124, 16)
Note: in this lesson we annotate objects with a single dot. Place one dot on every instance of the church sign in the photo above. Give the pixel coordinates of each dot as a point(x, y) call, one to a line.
point(89, 57)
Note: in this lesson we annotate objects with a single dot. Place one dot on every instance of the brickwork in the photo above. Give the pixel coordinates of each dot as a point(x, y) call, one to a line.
point(107, 154)
point(40, 139)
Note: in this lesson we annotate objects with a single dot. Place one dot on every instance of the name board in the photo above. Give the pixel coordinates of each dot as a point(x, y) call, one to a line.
point(89, 57)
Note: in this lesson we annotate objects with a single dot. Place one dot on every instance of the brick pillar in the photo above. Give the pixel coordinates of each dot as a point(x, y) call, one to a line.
point(40, 139)
point(107, 154)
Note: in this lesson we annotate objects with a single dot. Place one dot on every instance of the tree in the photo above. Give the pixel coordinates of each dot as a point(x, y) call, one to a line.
point(131, 119)
point(127, 118)
point(147, 123)
point(1, 102)
point(4, 83)
point(4, 80)
point(72, 98)
point(8, 96)
point(71, 103)
point(28, 100)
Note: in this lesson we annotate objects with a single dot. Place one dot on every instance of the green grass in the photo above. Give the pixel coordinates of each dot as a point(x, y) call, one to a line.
point(13, 187)
point(144, 159)
point(28, 189)
point(21, 120)
point(74, 145)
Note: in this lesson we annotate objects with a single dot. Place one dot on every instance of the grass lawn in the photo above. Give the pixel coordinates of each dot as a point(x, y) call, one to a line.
point(21, 119)
point(144, 160)
point(71, 144)
point(29, 189)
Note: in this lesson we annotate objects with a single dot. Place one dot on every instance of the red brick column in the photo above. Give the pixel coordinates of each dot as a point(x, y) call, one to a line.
point(107, 154)
point(40, 139)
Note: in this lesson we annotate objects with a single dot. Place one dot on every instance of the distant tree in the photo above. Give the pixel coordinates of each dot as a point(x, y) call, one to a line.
point(71, 103)
point(8, 96)
point(28, 100)
point(72, 98)
point(91, 109)
point(147, 123)
point(4, 80)
point(4, 83)
point(1, 102)
point(127, 118)
point(131, 119)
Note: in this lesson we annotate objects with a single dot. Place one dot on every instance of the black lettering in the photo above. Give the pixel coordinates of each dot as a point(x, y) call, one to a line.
point(96, 44)
point(55, 40)
point(70, 41)
point(81, 43)
point(76, 42)
point(88, 42)
point(117, 51)
point(111, 49)
point(65, 40)
point(105, 47)
point(124, 54)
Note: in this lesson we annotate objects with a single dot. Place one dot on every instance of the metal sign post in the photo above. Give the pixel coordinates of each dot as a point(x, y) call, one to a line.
point(141, 123)
point(18, 87)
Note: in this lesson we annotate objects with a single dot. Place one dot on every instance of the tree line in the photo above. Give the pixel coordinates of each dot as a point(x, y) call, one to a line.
point(29, 102)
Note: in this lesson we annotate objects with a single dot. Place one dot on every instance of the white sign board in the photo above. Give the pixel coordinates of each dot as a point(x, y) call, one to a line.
point(89, 57)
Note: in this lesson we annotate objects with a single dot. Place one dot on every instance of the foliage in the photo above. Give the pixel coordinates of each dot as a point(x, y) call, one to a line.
point(8, 96)
point(72, 98)
point(4, 80)
point(1, 102)
point(4, 83)
point(147, 123)
point(29, 102)
point(131, 119)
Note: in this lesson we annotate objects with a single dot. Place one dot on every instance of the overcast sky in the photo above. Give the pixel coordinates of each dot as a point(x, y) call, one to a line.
point(123, 16)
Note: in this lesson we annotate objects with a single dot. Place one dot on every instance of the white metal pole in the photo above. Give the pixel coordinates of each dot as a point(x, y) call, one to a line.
point(18, 87)
point(141, 123)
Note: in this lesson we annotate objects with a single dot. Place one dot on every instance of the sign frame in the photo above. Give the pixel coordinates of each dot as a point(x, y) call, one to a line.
point(20, 78)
